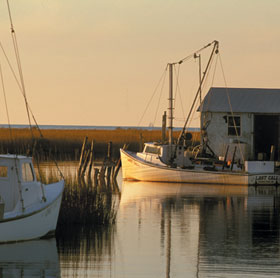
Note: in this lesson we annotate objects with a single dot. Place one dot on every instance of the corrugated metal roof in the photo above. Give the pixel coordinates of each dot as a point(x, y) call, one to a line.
point(248, 100)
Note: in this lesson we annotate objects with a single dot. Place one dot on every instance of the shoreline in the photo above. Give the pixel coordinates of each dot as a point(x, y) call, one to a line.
point(91, 127)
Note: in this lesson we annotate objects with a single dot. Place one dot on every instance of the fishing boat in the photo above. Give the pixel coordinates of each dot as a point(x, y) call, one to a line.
point(172, 161)
point(29, 209)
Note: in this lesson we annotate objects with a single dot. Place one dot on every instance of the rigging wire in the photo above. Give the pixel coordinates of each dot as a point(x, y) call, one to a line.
point(215, 50)
point(214, 71)
point(206, 106)
point(16, 49)
point(20, 88)
point(21, 85)
point(149, 102)
point(231, 110)
point(179, 62)
point(161, 90)
point(15, 160)
point(6, 105)
point(179, 90)
point(196, 104)
point(9, 63)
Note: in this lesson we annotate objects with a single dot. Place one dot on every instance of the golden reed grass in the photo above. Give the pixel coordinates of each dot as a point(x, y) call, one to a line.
point(69, 141)
point(83, 202)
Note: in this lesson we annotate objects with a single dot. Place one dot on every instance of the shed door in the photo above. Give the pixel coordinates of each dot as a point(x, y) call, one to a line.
point(266, 130)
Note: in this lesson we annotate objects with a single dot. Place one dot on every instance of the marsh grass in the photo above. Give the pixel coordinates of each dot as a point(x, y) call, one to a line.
point(83, 203)
point(66, 144)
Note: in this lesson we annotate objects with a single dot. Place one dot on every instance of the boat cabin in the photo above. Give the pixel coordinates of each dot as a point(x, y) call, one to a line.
point(18, 185)
point(244, 119)
point(160, 154)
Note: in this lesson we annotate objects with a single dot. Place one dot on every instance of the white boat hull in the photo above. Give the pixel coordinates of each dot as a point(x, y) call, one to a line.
point(36, 221)
point(137, 169)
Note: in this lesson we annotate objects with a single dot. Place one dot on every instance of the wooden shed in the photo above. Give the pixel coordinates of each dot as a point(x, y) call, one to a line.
point(245, 118)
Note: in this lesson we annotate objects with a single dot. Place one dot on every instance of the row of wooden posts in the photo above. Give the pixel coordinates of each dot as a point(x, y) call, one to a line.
point(104, 176)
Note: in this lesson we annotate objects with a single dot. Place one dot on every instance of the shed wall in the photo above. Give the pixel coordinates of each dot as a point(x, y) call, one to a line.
point(218, 138)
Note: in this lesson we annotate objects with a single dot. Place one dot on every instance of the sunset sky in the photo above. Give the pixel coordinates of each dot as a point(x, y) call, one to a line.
point(98, 62)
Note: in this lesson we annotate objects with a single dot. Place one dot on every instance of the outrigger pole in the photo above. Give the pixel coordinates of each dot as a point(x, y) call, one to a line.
point(214, 51)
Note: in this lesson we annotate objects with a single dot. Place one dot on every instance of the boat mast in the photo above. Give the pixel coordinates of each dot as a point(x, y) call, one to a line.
point(200, 93)
point(170, 108)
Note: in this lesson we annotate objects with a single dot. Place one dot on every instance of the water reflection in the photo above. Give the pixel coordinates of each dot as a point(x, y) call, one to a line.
point(200, 230)
point(85, 251)
point(37, 258)
point(179, 230)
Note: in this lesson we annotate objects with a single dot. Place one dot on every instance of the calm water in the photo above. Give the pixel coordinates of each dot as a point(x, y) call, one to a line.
point(164, 230)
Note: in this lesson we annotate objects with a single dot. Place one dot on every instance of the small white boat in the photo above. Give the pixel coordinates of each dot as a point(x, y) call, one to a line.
point(172, 161)
point(28, 208)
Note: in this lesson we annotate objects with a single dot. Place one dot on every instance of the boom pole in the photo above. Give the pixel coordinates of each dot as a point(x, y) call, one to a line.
point(214, 51)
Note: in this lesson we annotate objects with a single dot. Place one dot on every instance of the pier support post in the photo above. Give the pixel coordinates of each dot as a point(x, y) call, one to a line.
point(82, 156)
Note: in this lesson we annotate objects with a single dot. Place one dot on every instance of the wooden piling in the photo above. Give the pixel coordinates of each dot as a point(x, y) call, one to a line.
point(108, 164)
point(101, 179)
point(109, 151)
point(108, 175)
point(118, 166)
point(82, 156)
point(85, 164)
point(95, 177)
point(90, 160)
point(105, 177)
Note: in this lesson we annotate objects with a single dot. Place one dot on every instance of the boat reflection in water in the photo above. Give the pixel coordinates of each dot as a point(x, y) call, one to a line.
point(187, 230)
point(36, 258)
point(180, 230)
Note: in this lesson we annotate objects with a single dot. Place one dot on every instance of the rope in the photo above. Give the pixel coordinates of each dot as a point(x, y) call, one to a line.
point(231, 110)
point(21, 85)
point(11, 68)
point(179, 91)
point(214, 50)
point(149, 102)
point(209, 100)
point(201, 87)
point(20, 88)
point(16, 49)
point(7, 112)
point(161, 90)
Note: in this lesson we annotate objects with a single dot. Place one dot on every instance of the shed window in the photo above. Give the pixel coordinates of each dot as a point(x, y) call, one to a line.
point(3, 171)
point(234, 127)
point(27, 173)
